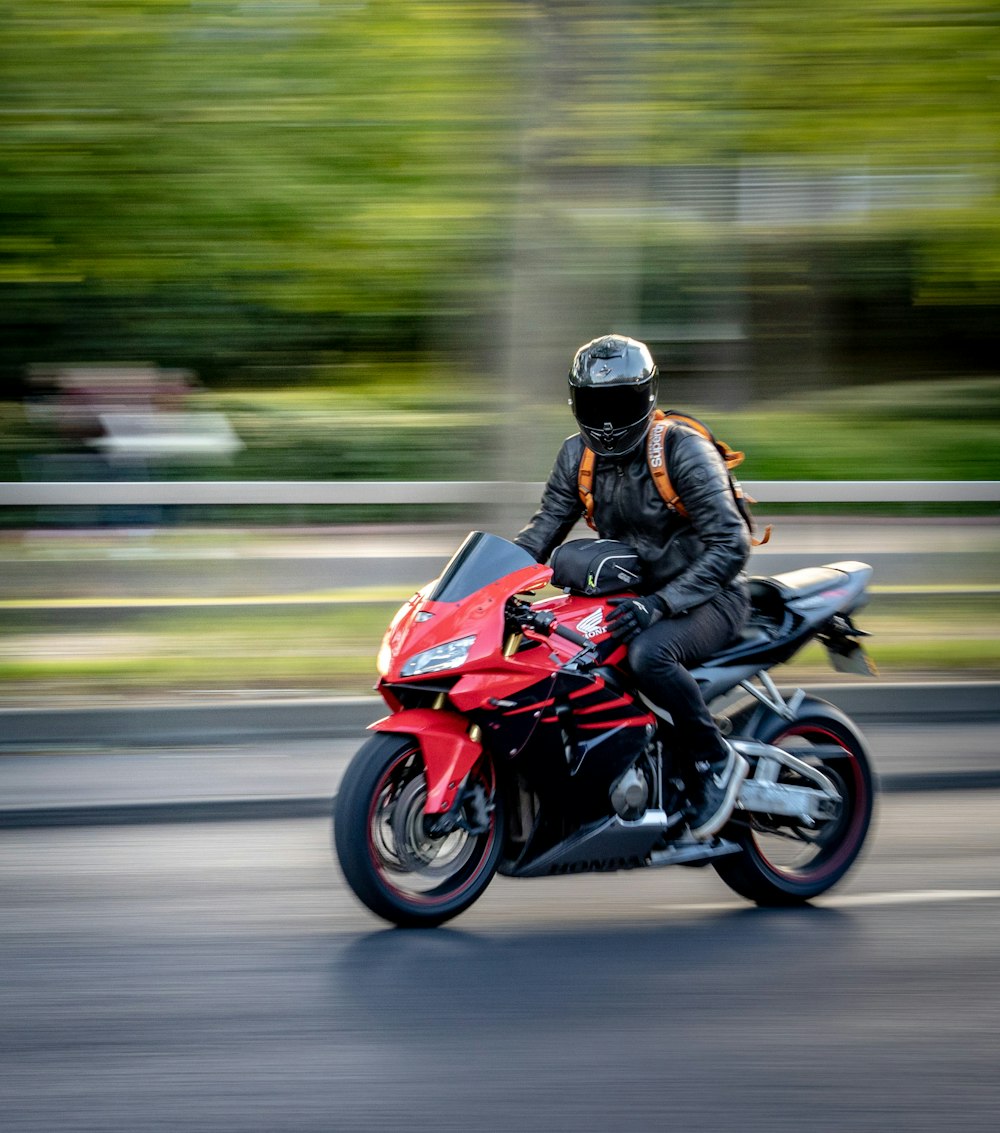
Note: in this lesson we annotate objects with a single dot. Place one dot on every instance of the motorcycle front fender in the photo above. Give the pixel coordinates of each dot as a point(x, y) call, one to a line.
point(449, 753)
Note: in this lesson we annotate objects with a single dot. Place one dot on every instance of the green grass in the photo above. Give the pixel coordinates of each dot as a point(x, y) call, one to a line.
point(328, 647)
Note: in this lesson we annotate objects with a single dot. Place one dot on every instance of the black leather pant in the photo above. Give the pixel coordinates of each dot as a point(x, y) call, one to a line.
point(661, 656)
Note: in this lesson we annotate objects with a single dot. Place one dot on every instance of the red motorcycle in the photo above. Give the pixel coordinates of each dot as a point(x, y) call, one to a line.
point(517, 742)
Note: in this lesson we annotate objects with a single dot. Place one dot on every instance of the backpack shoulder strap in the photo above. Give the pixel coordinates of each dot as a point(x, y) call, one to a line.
point(585, 485)
point(656, 458)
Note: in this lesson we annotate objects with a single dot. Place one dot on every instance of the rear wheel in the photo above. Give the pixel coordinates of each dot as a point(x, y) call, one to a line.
point(784, 861)
point(391, 860)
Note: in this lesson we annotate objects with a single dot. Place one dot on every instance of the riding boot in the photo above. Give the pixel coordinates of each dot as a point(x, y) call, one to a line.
point(714, 791)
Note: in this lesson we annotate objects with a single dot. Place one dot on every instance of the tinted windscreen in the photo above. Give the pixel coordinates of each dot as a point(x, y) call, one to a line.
point(621, 405)
point(480, 560)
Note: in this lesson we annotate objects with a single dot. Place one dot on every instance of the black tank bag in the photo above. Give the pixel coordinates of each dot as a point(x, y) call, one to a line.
point(593, 567)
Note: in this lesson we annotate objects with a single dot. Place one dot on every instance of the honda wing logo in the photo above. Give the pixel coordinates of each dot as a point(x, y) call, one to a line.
point(592, 625)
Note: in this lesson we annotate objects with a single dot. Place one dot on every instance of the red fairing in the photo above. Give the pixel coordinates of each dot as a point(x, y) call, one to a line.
point(449, 754)
point(485, 677)
point(481, 614)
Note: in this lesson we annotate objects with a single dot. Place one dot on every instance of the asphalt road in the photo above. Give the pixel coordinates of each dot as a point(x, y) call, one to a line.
point(220, 977)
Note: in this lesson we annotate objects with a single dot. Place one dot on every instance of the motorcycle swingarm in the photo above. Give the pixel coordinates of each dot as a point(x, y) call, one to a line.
point(764, 794)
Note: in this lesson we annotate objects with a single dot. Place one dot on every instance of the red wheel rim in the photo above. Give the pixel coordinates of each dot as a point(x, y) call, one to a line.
point(416, 868)
point(829, 859)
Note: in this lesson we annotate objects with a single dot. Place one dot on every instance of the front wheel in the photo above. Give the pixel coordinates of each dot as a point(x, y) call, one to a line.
point(400, 870)
point(783, 861)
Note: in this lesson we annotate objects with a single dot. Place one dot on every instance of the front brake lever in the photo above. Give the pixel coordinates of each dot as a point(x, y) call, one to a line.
point(543, 622)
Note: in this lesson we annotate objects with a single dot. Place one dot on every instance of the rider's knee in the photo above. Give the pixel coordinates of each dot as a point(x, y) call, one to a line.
point(648, 656)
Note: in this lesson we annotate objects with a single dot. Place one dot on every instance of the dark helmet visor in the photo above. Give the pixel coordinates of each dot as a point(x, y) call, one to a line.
point(617, 406)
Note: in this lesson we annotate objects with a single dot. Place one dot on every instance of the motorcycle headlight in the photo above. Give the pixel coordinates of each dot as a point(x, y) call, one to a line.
point(447, 656)
point(383, 659)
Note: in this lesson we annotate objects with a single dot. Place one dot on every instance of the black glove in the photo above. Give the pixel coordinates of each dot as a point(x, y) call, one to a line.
point(631, 616)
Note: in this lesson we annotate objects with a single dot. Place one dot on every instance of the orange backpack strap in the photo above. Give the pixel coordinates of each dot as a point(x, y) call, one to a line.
point(656, 458)
point(585, 485)
point(745, 500)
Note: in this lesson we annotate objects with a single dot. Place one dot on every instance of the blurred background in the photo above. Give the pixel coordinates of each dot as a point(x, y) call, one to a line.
point(360, 240)
point(285, 239)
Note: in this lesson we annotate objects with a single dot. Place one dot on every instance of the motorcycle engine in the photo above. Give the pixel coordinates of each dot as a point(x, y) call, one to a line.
point(630, 793)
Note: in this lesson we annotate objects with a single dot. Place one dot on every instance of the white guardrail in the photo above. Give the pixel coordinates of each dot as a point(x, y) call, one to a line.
point(382, 492)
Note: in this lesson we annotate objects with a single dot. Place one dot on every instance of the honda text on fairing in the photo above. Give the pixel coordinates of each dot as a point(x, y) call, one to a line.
point(516, 743)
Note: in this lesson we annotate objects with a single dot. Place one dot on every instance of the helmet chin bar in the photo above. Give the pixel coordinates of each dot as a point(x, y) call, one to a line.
point(610, 441)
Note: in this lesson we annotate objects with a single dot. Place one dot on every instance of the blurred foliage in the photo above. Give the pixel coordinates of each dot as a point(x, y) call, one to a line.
point(361, 430)
point(367, 431)
point(259, 190)
point(248, 185)
point(903, 431)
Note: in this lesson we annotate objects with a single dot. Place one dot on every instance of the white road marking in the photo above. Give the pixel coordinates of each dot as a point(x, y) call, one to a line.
point(857, 900)
point(914, 897)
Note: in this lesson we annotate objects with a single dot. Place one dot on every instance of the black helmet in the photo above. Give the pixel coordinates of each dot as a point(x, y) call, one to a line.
point(612, 386)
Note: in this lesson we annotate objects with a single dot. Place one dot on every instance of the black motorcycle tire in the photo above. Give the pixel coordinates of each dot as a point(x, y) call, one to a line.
point(386, 774)
point(752, 873)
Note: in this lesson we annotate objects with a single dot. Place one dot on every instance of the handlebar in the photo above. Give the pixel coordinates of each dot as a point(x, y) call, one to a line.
point(544, 622)
point(571, 635)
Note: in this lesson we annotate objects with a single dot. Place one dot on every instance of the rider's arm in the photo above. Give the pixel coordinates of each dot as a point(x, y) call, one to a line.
point(702, 482)
point(560, 508)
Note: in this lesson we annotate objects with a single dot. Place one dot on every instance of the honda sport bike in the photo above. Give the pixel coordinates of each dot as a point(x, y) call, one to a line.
point(516, 742)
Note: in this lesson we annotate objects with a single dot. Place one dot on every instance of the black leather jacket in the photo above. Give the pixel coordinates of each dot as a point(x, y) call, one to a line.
point(686, 561)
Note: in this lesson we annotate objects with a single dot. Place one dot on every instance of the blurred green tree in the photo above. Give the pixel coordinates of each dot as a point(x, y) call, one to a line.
point(242, 185)
point(254, 189)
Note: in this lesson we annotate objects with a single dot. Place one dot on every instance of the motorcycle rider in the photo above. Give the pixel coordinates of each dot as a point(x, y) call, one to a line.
point(694, 600)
